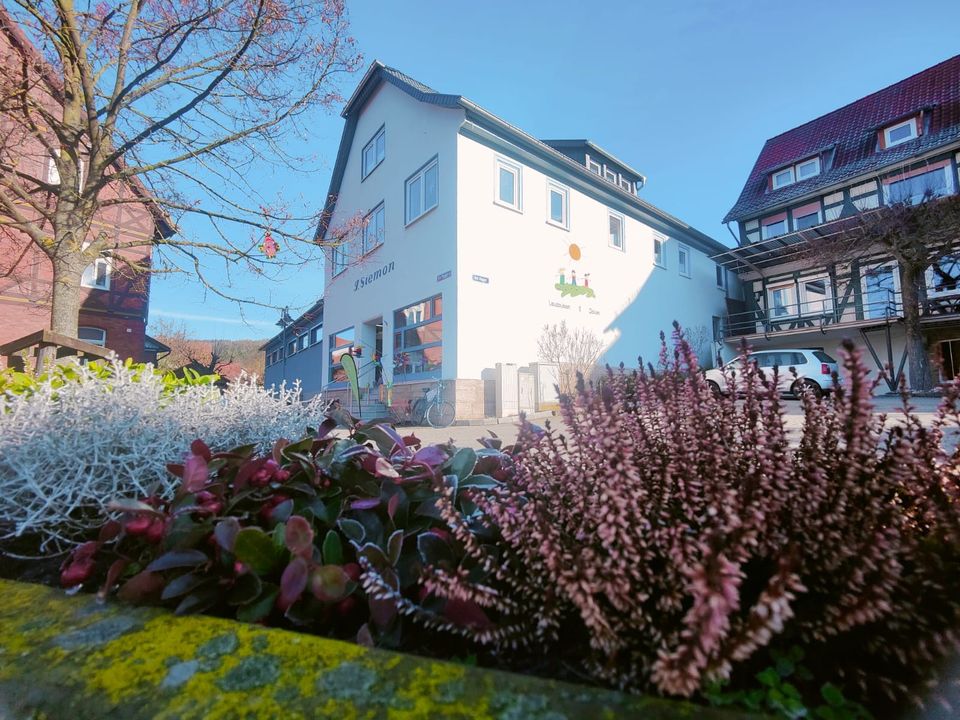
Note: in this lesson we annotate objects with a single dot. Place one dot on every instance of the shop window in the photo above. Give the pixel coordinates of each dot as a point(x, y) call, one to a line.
point(418, 340)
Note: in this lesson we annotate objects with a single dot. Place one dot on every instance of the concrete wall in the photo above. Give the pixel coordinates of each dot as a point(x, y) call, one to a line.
point(413, 256)
point(521, 255)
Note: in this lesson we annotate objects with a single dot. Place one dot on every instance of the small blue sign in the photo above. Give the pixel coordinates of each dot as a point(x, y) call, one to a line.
point(443, 276)
point(481, 279)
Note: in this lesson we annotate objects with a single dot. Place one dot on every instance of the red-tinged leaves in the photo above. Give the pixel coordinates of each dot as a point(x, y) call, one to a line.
point(411, 441)
point(326, 427)
point(86, 551)
point(328, 583)
point(379, 466)
point(226, 533)
point(109, 531)
point(178, 559)
point(278, 447)
point(144, 587)
point(466, 613)
point(364, 503)
point(113, 575)
point(175, 469)
point(199, 447)
point(195, 473)
point(299, 536)
point(247, 471)
point(77, 572)
point(292, 583)
point(382, 612)
point(432, 456)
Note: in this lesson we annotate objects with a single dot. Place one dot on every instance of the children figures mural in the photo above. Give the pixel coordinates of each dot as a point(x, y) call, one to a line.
point(573, 288)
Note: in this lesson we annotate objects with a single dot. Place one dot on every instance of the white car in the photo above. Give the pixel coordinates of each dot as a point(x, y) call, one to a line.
point(814, 370)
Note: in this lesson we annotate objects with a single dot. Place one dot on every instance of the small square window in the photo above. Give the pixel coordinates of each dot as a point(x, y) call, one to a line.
point(808, 169)
point(291, 347)
point(807, 221)
point(508, 185)
point(422, 191)
point(593, 166)
point(374, 152)
point(783, 177)
point(373, 229)
point(625, 184)
point(773, 229)
point(316, 334)
point(609, 175)
point(616, 231)
point(558, 198)
point(900, 133)
point(658, 256)
point(683, 260)
point(303, 342)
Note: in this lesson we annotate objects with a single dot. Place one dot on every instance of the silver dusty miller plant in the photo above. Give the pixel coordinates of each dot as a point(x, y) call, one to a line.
point(66, 450)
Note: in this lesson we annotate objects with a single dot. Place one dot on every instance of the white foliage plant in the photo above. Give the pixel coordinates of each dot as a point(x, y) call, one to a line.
point(67, 451)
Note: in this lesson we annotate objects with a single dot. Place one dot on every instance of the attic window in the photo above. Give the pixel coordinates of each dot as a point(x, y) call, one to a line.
point(593, 166)
point(795, 173)
point(900, 133)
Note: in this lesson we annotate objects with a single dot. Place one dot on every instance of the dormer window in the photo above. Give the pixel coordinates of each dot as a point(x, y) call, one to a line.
point(808, 168)
point(593, 166)
point(795, 173)
point(609, 175)
point(900, 133)
point(784, 177)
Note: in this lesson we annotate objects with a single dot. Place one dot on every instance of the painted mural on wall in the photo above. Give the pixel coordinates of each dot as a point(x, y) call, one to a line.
point(573, 282)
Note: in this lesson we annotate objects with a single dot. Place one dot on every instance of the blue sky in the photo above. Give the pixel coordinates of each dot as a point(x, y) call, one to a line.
point(686, 92)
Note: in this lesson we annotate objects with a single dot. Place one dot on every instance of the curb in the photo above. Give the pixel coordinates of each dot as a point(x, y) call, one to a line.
point(72, 657)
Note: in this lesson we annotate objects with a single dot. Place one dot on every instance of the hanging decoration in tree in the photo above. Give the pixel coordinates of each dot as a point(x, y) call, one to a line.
point(269, 246)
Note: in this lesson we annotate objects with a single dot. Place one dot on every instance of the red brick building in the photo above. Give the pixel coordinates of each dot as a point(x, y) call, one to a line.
point(115, 300)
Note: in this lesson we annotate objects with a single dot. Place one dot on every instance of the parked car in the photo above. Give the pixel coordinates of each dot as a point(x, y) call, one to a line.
point(814, 370)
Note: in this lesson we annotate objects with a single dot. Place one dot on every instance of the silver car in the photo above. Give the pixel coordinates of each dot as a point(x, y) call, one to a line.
point(814, 370)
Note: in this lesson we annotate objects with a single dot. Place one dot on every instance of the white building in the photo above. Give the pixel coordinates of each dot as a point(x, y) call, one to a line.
point(478, 235)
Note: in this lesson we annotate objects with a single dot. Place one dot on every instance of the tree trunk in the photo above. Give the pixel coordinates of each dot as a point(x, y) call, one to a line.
point(918, 359)
point(65, 300)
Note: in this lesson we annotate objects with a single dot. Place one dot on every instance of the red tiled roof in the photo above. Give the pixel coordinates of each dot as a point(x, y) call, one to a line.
point(849, 134)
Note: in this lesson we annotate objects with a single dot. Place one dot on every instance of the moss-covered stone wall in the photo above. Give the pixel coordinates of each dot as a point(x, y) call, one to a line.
point(74, 658)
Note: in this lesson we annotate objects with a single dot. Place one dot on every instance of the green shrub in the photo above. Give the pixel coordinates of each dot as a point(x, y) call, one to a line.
point(16, 382)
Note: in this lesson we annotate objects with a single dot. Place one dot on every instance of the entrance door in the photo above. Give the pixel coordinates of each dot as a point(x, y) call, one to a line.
point(526, 381)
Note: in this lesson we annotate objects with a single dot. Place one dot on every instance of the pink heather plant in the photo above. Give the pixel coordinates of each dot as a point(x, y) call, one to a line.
point(668, 535)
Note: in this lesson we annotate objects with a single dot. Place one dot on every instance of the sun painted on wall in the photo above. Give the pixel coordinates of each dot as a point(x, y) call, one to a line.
point(570, 285)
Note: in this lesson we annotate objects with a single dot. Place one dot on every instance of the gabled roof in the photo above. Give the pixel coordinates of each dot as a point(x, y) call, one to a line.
point(846, 138)
point(379, 73)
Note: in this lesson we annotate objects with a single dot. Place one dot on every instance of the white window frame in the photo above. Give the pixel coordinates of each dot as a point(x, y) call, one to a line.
point(609, 175)
point(420, 174)
point(814, 160)
point(377, 155)
point(948, 190)
point(339, 258)
point(819, 221)
point(791, 306)
point(564, 193)
point(102, 342)
point(912, 122)
point(764, 235)
point(624, 184)
point(623, 231)
point(593, 166)
point(793, 177)
point(53, 172)
point(806, 302)
point(516, 170)
point(107, 262)
point(661, 242)
point(721, 274)
point(865, 272)
point(681, 251)
point(366, 247)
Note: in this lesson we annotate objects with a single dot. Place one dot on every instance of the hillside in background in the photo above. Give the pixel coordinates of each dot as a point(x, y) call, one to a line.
point(227, 358)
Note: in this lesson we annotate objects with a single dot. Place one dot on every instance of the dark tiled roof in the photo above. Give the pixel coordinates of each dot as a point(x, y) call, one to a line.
point(850, 135)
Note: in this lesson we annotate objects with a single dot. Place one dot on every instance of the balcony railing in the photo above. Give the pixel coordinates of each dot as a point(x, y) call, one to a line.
point(878, 305)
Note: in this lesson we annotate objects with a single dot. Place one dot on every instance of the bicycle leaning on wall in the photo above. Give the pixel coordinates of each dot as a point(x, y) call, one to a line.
point(432, 409)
